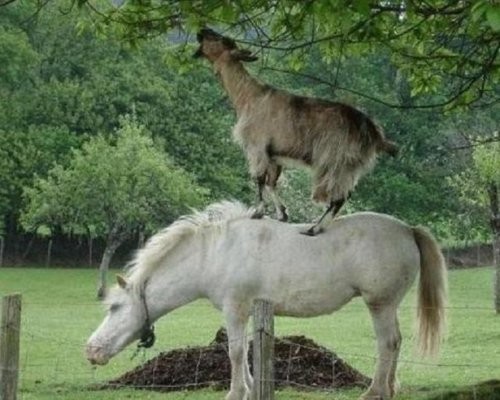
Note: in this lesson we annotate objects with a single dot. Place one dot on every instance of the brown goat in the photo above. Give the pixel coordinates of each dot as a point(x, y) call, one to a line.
point(337, 141)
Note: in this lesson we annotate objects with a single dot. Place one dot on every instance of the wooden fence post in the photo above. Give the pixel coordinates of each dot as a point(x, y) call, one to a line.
point(263, 351)
point(9, 346)
point(2, 248)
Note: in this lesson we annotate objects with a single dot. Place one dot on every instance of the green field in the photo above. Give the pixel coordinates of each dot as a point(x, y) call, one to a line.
point(59, 313)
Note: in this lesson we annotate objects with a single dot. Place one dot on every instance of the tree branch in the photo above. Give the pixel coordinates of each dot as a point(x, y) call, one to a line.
point(464, 88)
point(6, 2)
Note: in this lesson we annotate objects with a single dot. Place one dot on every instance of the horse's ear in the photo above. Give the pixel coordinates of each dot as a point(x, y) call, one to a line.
point(122, 282)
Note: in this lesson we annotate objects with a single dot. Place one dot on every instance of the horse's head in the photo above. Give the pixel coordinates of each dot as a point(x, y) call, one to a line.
point(214, 46)
point(123, 324)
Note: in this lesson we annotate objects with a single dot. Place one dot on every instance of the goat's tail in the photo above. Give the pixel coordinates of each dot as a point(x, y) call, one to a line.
point(383, 145)
point(432, 293)
point(389, 147)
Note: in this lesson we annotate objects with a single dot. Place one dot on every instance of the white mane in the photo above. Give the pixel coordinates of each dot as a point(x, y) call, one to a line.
point(147, 259)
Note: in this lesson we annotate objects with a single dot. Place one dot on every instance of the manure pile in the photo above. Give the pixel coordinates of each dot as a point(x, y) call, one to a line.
point(299, 363)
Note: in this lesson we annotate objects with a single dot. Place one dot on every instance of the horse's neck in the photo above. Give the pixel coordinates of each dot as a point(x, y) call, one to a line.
point(176, 282)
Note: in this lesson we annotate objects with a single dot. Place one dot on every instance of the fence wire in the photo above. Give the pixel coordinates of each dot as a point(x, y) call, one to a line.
point(53, 366)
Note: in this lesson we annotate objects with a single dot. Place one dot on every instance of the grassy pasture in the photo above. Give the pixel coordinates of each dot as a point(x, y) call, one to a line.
point(59, 313)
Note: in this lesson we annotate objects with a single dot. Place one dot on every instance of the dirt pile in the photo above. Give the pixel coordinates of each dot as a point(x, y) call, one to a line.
point(299, 362)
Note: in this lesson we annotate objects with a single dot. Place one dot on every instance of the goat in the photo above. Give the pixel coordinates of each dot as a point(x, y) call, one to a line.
point(338, 142)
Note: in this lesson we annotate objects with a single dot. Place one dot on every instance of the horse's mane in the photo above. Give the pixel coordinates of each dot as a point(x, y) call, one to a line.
point(147, 259)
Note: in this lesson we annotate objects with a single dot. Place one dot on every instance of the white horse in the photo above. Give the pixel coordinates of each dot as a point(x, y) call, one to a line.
point(225, 256)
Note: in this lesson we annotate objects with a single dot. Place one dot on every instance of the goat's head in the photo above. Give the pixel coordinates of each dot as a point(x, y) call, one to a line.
point(213, 46)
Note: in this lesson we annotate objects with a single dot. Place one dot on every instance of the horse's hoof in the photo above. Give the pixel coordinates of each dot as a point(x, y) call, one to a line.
point(101, 293)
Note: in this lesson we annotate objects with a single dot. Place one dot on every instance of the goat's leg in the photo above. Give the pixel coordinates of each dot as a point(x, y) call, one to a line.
point(258, 162)
point(334, 207)
point(260, 207)
point(273, 174)
point(316, 228)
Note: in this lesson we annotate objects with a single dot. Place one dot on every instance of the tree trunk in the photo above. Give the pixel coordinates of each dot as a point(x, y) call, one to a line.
point(49, 253)
point(91, 243)
point(2, 247)
point(115, 239)
point(141, 239)
point(496, 258)
point(28, 248)
point(495, 226)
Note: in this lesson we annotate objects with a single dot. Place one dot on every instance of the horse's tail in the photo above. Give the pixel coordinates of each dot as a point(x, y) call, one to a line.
point(432, 293)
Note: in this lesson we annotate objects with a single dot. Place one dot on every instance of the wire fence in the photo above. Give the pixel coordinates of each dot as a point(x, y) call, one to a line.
point(52, 353)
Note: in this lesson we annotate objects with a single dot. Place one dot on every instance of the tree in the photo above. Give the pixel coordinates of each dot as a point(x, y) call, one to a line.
point(61, 87)
point(480, 187)
point(487, 163)
point(439, 45)
point(115, 186)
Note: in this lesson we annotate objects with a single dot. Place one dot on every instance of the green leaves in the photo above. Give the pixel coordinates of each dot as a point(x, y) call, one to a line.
point(493, 16)
point(123, 180)
point(487, 162)
point(433, 42)
point(488, 10)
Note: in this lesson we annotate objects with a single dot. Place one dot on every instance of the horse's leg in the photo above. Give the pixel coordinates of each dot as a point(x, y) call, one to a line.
point(246, 367)
point(393, 380)
point(388, 344)
point(273, 174)
point(236, 322)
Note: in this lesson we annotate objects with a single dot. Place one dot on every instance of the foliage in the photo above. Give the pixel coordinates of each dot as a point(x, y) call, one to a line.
point(487, 162)
point(62, 85)
point(26, 153)
point(449, 48)
point(473, 185)
point(121, 183)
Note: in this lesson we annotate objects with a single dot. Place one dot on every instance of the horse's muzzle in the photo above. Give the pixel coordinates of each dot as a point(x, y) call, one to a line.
point(96, 356)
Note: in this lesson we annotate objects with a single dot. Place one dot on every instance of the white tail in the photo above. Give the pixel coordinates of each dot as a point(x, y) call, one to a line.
point(432, 293)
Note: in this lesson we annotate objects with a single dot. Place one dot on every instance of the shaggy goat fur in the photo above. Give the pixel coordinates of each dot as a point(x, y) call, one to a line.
point(337, 141)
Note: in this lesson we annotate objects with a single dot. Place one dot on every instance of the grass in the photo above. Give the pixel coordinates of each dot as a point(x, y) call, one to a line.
point(59, 313)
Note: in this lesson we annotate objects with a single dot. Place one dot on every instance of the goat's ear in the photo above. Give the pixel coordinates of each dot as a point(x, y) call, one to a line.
point(228, 43)
point(122, 282)
point(243, 55)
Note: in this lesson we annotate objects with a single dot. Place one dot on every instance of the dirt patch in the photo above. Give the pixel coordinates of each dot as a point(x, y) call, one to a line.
point(299, 362)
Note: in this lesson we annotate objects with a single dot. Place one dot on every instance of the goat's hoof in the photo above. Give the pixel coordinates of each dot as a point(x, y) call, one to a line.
point(282, 215)
point(309, 232)
point(312, 231)
point(257, 215)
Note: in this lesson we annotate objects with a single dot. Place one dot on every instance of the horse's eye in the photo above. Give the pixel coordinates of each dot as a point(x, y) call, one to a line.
point(114, 307)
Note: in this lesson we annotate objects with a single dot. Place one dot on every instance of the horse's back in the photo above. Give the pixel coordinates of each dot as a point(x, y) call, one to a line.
point(365, 254)
point(385, 256)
